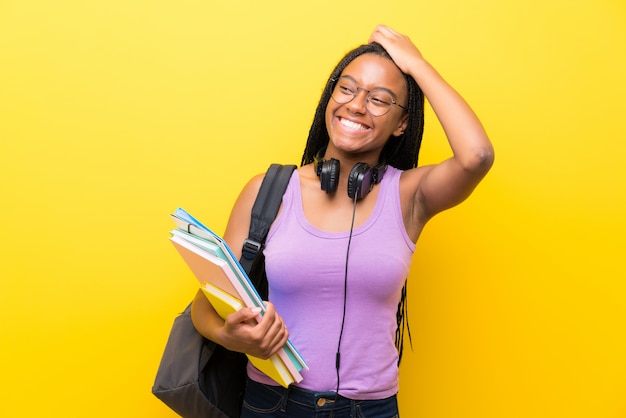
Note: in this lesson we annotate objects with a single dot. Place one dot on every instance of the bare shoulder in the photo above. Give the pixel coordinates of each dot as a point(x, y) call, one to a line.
point(239, 220)
point(308, 177)
point(253, 185)
point(248, 194)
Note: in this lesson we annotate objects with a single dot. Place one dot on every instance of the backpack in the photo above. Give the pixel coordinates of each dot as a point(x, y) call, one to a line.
point(198, 378)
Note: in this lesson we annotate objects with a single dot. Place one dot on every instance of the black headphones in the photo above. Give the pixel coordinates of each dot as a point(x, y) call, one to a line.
point(362, 177)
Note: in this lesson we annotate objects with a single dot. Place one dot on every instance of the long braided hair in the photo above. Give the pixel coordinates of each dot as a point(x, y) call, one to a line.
point(401, 153)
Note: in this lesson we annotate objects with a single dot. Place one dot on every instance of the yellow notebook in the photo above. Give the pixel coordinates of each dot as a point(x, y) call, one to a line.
point(225, 304)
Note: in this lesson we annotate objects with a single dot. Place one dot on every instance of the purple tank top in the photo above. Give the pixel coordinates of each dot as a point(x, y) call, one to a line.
point(306, 267)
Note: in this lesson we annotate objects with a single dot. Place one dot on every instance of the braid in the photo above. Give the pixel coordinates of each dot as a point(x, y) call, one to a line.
point(402, 152)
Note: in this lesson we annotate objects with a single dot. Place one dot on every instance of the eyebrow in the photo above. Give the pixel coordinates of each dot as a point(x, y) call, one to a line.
point(395, 96)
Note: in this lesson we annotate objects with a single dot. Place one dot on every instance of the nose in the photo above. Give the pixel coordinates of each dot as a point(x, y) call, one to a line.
point(359, 103)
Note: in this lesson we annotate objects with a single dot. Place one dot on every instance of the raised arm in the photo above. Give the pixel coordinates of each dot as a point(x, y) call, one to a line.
point(448, 183)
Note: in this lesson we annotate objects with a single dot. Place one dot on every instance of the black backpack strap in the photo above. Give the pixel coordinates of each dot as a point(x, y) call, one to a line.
point(264, 211)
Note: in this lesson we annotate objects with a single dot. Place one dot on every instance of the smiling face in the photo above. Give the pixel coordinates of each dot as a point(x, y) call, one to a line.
point(351, 128)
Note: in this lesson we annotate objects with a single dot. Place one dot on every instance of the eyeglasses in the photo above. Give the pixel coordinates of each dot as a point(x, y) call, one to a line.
point(378, 101)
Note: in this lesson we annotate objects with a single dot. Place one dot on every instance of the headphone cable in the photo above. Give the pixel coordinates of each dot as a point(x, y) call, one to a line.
point(345, 298)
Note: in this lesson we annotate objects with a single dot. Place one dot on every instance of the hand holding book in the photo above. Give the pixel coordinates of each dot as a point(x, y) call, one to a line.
point(243, 326)
point(227, 286)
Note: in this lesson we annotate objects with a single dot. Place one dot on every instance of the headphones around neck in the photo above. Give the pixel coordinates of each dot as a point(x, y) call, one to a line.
point(361, 180)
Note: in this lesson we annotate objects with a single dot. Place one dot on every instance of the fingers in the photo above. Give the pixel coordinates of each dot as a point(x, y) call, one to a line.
point(400, 47)
point(271, 333)
point(382, 32)
point(391, 40)
point(255, 335)
point(242, 316)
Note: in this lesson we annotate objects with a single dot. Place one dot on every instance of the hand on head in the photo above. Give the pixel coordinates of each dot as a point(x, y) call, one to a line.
point(400, 47)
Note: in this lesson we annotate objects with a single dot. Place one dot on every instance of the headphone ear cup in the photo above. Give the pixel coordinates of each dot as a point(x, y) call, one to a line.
point(358, 179)
point(329, 175)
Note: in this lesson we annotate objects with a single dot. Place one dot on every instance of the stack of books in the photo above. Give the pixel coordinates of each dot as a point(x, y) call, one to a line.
point(228, 288)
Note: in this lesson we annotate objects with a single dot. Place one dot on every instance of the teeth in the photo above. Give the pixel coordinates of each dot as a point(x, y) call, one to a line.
point(352, 125)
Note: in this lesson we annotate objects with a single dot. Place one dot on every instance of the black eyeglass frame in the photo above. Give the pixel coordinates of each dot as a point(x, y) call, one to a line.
point(391, 94)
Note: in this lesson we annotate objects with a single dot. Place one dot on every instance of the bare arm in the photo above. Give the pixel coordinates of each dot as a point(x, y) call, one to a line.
point(235, 333)
point(448, 183)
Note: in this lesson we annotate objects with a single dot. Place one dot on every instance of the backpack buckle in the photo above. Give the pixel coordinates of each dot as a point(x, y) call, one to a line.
point(250, 249)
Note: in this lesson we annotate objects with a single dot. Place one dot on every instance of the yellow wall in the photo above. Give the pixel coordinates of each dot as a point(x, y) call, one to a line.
point(113, 113)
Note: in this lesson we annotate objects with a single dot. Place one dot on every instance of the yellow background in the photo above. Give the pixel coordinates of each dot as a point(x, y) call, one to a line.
point(113, 113)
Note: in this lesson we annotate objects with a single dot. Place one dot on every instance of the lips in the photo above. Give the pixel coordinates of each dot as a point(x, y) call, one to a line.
point(353, 125)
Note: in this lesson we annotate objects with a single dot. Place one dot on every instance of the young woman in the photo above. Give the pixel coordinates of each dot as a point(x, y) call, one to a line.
point(339, 252)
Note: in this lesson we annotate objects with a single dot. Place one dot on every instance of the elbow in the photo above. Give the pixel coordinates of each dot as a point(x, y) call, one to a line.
point(480, 160)
point(486, 157)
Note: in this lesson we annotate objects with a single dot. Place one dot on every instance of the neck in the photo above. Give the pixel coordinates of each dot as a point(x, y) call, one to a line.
point(350, 159)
